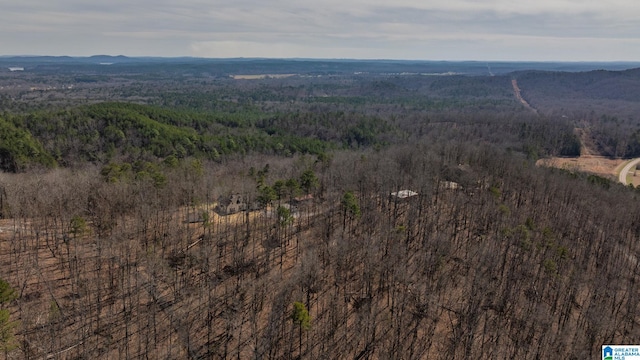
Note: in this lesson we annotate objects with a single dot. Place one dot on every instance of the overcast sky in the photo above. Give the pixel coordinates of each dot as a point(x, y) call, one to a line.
point(565, 30)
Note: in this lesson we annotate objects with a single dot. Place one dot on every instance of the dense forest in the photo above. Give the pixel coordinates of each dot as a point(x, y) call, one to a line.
point(381, 216)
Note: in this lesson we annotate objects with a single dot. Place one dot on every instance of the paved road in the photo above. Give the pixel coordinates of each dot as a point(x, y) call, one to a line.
point(625, 170)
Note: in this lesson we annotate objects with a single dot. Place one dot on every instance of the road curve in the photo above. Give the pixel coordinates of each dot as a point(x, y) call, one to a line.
point(625, 170)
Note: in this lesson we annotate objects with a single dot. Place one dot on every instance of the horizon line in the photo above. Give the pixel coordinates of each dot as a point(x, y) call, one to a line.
point(313, 59)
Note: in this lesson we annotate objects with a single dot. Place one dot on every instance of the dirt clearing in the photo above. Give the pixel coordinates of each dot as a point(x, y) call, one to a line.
point(598, 165)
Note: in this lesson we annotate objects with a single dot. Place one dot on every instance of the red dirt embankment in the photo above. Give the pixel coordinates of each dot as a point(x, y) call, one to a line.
point(599, 165)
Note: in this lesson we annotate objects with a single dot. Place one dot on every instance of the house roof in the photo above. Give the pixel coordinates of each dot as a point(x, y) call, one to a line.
point(403, 194)
point(228, 199)
point(449, 185)
point(303, 198)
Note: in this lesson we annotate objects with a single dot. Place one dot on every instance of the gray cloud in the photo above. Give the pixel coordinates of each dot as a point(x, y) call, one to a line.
point(452, 29)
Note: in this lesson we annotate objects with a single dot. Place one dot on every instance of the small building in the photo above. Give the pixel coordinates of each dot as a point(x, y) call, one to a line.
point(302, 200)
point(234, 203)
point(404, 194)
point(449, 185)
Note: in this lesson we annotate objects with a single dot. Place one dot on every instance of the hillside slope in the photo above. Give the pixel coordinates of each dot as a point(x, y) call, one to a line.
point(521, 262)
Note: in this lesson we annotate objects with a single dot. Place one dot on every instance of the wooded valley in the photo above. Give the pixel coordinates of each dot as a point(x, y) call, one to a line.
point(154, 215)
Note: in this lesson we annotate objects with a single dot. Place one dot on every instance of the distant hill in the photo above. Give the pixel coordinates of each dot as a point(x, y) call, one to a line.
point(302, 66)
point(597, 85)
point(605, 102)
point(593, 93)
